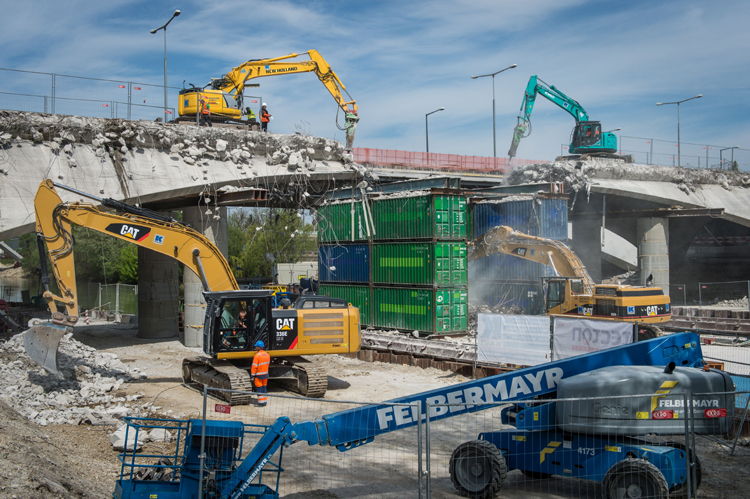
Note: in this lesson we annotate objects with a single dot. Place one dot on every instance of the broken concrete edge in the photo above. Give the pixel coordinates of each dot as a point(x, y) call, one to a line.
point(578, 175)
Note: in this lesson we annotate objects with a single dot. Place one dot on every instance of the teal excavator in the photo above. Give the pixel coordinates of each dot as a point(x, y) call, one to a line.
point(587, 139)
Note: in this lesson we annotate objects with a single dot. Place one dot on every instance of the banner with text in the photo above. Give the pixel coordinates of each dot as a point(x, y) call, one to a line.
point(579, 336)
point(513, 339)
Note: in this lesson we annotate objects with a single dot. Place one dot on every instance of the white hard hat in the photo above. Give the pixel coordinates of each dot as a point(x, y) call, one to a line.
point(264, 104)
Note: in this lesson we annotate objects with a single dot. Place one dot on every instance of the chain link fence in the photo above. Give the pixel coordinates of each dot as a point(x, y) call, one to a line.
point(730, 294)
point(651, 151)
point(117, 298)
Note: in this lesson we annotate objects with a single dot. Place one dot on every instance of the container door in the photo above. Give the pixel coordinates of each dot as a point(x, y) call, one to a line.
point(443, 302)
point(442, 217)
point(443, 264)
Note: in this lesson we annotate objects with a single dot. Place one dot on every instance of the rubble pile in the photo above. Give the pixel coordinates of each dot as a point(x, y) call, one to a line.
point(193, 145)
point(86, 393)
point(578, 174)
point(741, 303)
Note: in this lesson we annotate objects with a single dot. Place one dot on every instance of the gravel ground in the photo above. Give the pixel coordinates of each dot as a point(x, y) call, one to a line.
point(77, 461)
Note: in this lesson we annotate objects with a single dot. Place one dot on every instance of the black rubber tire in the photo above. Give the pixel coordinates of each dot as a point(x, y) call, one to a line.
point(477, 469)
point(680, 491)
point(535, 475)
point(634, 478)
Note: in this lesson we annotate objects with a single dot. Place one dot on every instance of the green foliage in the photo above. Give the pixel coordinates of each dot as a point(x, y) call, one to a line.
point(735, 167)
point(259, 238)
point(98, 257)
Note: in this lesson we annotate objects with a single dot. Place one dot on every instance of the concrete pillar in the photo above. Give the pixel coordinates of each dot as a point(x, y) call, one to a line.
point(195, 306)
point(587, 244)
point(157, 306)
point(653, 250)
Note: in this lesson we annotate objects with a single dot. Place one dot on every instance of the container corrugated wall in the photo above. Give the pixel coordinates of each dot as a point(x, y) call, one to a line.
point(335, 223)
point(420, 217)
point(420, 263)
point(344, 263)
point(359, 296)
point(529, 297)
point(548, 219)
point(431, 311)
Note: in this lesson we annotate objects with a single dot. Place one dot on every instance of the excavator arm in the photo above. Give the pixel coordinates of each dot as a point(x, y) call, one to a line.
point(556, 254)
point(538, 87)
point(235, 80)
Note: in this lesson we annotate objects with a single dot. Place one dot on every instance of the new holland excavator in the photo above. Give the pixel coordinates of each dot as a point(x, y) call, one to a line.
point(225, 94)
point(573, 292)
point(315, 325)
point(587, 138)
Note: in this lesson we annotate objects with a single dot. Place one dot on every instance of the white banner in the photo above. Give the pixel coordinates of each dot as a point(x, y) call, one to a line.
point(513, 339)
point(578, 336)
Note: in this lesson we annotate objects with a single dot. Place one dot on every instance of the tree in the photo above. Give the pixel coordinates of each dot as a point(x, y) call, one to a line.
point(261, 237)
point(735, 166)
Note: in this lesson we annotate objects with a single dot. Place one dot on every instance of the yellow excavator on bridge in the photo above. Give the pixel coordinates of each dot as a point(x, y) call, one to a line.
point(225, 95)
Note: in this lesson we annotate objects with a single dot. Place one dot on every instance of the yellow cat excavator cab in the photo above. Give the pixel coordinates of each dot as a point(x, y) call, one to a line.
point(314, 325)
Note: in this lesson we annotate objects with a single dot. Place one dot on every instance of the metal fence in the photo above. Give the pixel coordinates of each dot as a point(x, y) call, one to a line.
point(117, 298)
point(693, 155)
point(730, 294)
point(75, 95)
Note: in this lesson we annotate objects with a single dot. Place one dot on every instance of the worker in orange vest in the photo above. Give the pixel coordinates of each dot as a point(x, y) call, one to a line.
point(205, 113)
point(261, 360)
point(265, 117)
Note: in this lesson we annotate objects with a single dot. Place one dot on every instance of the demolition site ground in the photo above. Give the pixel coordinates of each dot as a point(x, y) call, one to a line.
point(56, 443)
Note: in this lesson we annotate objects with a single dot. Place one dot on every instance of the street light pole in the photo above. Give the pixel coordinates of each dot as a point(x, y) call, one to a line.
point(679, 157)
point(721, 157)
point(153, 31)
point(494, 134)
point(427, 130)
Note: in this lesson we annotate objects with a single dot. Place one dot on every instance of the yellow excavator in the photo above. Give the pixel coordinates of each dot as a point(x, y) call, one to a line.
point(572, 292)
point(313, 325)
point(225, 94)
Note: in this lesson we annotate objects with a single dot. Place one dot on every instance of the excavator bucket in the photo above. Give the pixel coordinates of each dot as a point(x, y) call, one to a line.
point(41, 341)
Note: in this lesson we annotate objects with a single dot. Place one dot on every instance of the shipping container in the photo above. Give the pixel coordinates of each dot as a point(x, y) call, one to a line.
point(420, 264)
point(420, 217)
point(501, 267)
point(359, 296)
point(540, 217)
point(529, 297)
point(344, 263)
point(429, 311)
point(335, 222)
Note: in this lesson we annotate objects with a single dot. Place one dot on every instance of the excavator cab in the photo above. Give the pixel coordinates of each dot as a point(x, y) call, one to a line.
point(236, 320)
point(561, 292)
point(587, 137)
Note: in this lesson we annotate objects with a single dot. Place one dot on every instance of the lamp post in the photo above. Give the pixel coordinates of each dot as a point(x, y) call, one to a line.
point(494, 135)
point(153, 31)
point(679, 159)
point(427, 130)
point(721, 157)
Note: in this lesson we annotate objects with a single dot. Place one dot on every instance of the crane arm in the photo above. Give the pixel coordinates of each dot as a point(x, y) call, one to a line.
point(556, 254)
point(138, 226)
point(534, 87)
point(235, 81)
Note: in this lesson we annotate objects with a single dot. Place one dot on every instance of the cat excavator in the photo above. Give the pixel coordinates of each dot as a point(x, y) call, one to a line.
point(572, 292)
point(314, 325)
point(225, 94)
point(587, 138)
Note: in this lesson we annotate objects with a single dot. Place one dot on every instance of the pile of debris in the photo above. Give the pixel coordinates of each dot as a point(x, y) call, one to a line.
point(86, 392)
point(577, 175)
point(742, 303)
point(500, 308)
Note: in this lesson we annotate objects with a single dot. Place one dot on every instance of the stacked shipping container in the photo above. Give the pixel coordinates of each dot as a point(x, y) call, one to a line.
point(407, 268)
point(508, 280)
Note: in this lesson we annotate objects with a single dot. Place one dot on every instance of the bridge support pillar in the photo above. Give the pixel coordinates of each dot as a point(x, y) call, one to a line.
point(587, 244)
point(653, 251)
point(158, 299)
point(195, 306)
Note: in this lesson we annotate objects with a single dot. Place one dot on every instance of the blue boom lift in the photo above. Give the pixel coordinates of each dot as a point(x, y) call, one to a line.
point(593, 440)
point(587, 138)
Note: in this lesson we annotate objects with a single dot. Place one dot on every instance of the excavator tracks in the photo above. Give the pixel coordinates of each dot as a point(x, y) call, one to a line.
point(219, 374)
point(295, 373)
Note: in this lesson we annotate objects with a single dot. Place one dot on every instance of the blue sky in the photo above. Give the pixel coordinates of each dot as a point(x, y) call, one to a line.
point(400, 60)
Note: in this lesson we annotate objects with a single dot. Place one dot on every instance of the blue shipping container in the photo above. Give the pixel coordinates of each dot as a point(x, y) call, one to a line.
point(344, 263)
point(528, 297)
point(548, 219)
point(507, 267)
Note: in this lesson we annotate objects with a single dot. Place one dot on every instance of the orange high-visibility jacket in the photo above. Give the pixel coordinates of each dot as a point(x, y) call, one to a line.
point(205, 108)
point(261, 360)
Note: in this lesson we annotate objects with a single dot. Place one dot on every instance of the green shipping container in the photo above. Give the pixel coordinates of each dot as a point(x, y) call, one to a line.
point(359, 296)
point(421, 264)
point(420, 217)
point(335, 223)
point(432, 311)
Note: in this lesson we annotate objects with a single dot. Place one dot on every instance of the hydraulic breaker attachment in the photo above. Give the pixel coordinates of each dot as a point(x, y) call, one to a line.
point(41, 342)
point(351, 124)
point(518, 133)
